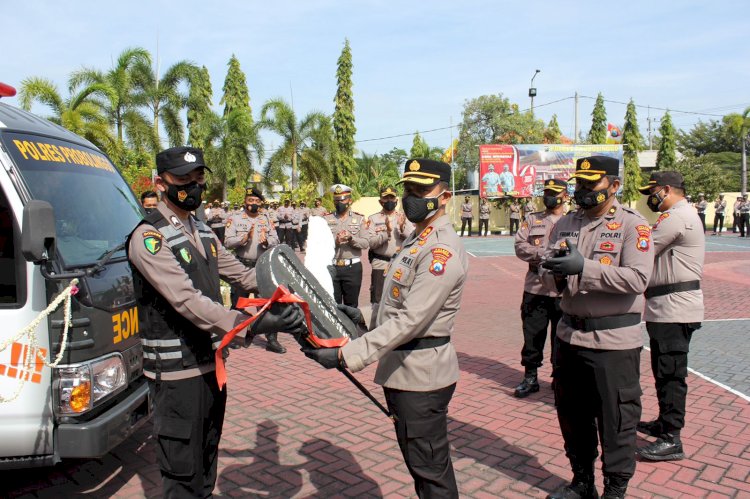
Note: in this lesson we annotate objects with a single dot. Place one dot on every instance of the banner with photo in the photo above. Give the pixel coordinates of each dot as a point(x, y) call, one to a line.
point(520, 170)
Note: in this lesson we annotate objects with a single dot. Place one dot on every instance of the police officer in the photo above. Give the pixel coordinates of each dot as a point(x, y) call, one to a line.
point(250, 233)
point(350, 236)
point(720, 207)
point(736, 214)
point(540, 307)
point(217, 219)
point(466, 215)
point(296, 227)
point(744, 217)
point(305, 213)
point(528, 207)
point(674, 308)
point(387, 231)
point(601, 258)
point(177, 262)
point(149, 201)
point(484, 216)
point(318, 210)
point(701, 206)
point(417, 367)
point(285, 223)
point(274, 218)
point(515, 216)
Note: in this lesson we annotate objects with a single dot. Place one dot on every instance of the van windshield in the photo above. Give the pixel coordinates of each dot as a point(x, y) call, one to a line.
point(95, 209)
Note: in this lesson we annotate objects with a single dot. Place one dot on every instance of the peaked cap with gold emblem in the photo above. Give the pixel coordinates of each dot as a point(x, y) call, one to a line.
point(555, 185)
point(388, 191)
point(596, 167)
point(425, 171)
point(341, 190)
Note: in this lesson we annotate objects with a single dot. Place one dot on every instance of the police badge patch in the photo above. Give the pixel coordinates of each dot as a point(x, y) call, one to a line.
point(152, 241)
point(440, 257)
point(186, 256)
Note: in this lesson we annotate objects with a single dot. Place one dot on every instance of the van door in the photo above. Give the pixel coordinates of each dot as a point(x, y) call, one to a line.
point(26, 418)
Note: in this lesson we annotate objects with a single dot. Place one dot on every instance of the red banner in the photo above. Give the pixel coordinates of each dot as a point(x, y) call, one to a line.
point(500, 173)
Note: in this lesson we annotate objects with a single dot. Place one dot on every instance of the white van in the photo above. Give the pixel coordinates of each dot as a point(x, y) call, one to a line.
point(65, 211)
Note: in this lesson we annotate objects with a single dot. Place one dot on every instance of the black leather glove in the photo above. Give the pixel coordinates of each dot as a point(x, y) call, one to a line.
point(354, 314)
point(280, 318)
point(326, 357)
point(570, 264)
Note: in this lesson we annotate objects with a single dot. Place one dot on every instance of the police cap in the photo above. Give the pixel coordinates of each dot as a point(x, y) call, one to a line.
point(425, 171)
point(341, 190)
point(180, 160)
point(670, 178)
point(555, 185)
point(596, 167)
point(254, 191)
point(388, 191)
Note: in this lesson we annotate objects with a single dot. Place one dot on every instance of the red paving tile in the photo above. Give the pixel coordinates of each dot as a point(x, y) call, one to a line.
point(296, 430)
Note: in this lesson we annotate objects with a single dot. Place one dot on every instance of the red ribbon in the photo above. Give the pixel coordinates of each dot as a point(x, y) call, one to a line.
point(281, 295)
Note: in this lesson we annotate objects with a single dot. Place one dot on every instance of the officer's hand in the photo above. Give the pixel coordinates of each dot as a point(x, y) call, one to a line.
point(388, 223)
point(354, 314)
point(326, 357)
point(287, 318)
point(570, 264)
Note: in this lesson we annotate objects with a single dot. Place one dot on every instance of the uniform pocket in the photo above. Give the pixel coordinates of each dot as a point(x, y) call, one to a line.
point(174, 452)
point(629, 402)
point(419, 445)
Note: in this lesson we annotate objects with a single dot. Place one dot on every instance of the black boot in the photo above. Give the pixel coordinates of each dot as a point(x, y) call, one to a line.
point(273, 345)
point(582, 487)
point(529, 385)
point(650, 428)
point(615, 487)
point(668, 447)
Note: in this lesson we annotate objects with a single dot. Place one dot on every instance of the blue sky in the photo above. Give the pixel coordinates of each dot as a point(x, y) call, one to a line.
point(415, 63)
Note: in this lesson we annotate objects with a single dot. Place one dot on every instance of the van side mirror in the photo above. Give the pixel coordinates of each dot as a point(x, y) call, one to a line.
point(38, 231)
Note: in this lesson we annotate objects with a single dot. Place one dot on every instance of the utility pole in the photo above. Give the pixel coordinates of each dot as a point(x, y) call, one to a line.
point(532, 90)
point(575, 133)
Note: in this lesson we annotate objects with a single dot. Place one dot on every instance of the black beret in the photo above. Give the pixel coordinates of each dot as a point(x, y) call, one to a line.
point(180, 160)
point(425, 171)
point(596, 167)
point(254, 191)
point(670, 178)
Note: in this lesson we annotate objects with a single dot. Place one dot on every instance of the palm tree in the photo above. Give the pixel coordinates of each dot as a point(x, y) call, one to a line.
point(80, 112)
point(373, 173)
point(163, 97)
point(299, 147)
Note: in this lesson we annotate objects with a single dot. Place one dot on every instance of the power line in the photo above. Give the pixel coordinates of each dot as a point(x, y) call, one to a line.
point(657, 108)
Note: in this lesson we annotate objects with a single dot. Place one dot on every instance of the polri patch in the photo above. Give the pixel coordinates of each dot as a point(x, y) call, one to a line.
point(661, 217)
point(395, 292)
point(643, 244)
point(440, 257)
point(606, 246)
point(397, 275)
point(614, 225)
point(152, 241)
point(186, 256)
point(605, 260)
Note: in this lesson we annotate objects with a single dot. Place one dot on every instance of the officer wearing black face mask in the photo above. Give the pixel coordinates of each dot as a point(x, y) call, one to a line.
point(177, 263)
point(250, 233)
point(540, 307)
point(350, 236)
point(149, 200)
point(600, 257)
point(387, 231)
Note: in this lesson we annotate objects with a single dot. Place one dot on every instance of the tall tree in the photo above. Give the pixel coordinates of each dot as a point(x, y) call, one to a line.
point(236, 94)
point(296, 150)
point(632, 144)
point(665, 156)
point(79, 112)
point(163, 96)
point(199, 110)
point(739, 127)
point(598, 131)
point(421, 149)
point(343, 117)
point(552, 133)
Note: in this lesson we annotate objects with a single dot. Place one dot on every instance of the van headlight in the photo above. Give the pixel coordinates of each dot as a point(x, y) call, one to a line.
point(81, 386)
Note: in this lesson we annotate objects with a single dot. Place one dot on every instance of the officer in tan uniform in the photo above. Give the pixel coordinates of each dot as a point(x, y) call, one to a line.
point(250, 233)
point(466, 215)
point(350, 236)
point(700, 207)
point(720, 207)
point(285, 223)
point(484, 216)
point(515, 216)
point(387, 231)
point(318, 210)
point(305, 214)
point(217, 218)
point(540, 307)
point(601, 258)
point(418, 366)
point(177, 262)
point(674, 308)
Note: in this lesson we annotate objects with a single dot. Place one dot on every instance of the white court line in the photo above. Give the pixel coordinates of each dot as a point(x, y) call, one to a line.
point(717, 383)
point(724, 320)
point(732, 245)
point(471, 254)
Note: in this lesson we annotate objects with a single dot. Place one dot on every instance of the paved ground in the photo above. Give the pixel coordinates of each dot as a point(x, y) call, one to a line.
point(296, 430)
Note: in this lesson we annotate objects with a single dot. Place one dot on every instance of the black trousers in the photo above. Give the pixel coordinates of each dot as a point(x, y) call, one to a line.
point(484, 222)
point(188, 419)
point(304, 235)
point(538, 313)
point(289, 237)
point(514, 222)
point(347, 281)
point(718, 222)
point(744, 224)
point(702, 216)
point(597, 394)
point(299, 237)
point(219, 231)
point(464, 222)
point(422, 433)
point(670, 344)
point(735, 221)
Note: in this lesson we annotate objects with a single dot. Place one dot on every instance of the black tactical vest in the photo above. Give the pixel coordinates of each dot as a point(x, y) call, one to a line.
point(171, 342)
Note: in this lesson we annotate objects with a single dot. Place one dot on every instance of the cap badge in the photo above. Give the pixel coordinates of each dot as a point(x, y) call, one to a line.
point(550, 183)
point(585, 165)
point(190, 157)
point(338, 189)
point(414, 166)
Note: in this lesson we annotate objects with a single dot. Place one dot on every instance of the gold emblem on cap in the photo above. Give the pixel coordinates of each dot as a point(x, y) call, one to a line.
point(550, 183)
point(414, 166)
point(585, 165)
point(338, 189)
point(182, 195)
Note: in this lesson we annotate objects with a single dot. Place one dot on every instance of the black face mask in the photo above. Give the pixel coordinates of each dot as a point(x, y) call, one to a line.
point(186, 197)
point(587, 199)
point(654, 201)
point(418, 209)
point(149, 210)
point(253, 208)
point(341, 207)
point(551, 202)
point(389, 205)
